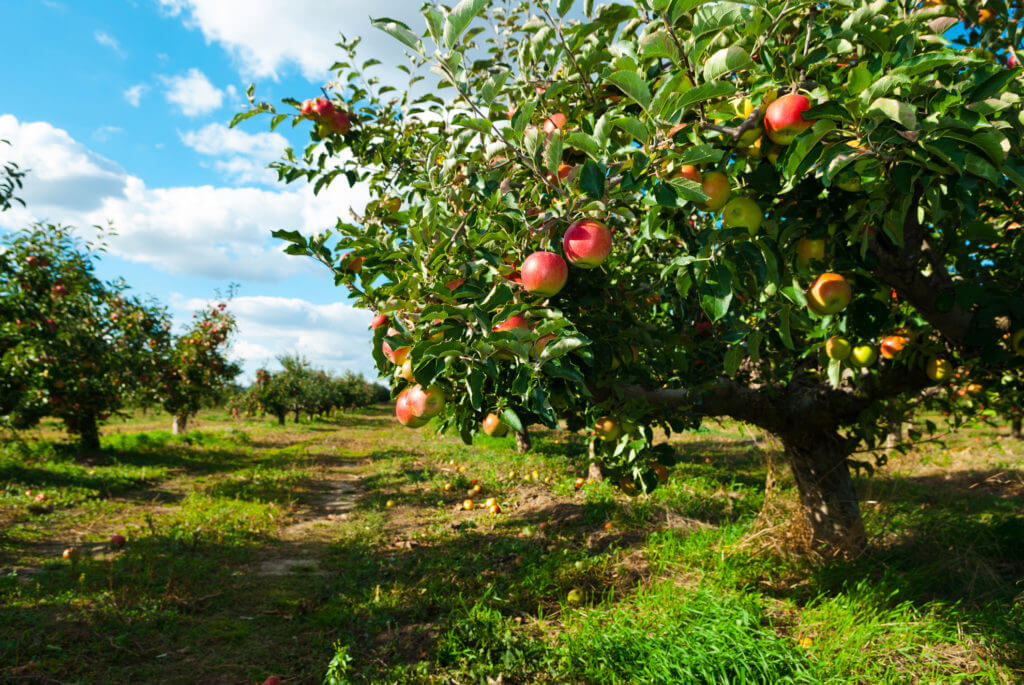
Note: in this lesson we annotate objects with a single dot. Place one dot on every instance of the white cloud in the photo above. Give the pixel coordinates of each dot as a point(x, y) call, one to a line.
point(332, 336)
point(134, 94)
point(243, 156)
point(193, 93)
point(275, 35)
point(104, 38)
point(213, 232)
point(105, 133)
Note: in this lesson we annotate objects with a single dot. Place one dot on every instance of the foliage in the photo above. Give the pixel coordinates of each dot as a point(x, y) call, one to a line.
point(71, 346)
point(11, 179)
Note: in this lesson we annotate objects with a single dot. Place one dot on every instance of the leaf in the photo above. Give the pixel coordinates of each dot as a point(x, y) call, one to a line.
point(561, 347)
point(716, 291)
point(732, 58)
point(399, 31)
point(900, 112)
point(435, 23)
point(630, 83)
point(784, 329)
point(714, 17)
point(835, 370)
point(457, 21)
point(706, 91)
point(511, 419)
point(689, 190)
point(633, 127)
point(581, 141)
point(553, 153)
point(564, 6)
point(592, 180)
point(805, 142)
point(474, 385)
point(733, 357)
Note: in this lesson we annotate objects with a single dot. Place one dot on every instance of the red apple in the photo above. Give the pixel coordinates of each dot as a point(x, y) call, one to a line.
point(542, 342)
point(517, 321)
point(272, 680)
point(784, 118)
point(892, 345)
point(544, 273)
point(404, 412)
point(1012, 61)
point(830, 293)
point(353, 264)
point(587, 243)
point(118, 540)
point(717, 187)
point(340, 123)
point(563, 172)
point(425, 403)
point(690, 173)
point(493, 426)
point(323, 108)
point(378, 321)
point(396, 356)
point(307, 108)
point(555, 122)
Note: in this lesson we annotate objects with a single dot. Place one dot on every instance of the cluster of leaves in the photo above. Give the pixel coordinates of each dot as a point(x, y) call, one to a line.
point(683, 302)
point(300, 389)
point(11, 179)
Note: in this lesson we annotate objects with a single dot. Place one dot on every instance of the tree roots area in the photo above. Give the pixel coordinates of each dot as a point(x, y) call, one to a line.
point(354, 550)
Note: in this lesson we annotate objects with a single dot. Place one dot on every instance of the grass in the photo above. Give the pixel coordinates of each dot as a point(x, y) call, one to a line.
point(256, 549)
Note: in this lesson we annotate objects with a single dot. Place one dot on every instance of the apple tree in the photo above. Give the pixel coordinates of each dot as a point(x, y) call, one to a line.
point(196, 369)
point(11, 179)
point(646, 214)
point(71, 346)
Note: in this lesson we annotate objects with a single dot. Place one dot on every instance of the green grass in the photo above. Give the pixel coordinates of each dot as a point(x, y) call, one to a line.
point(675, 589)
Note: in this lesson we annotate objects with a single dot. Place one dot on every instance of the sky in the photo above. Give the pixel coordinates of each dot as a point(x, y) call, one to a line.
point(119, 110)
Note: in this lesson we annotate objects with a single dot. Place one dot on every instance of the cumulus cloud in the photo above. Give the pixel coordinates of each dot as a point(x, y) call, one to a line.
point(134, 94)
point(333, 336)
point(240, 156)
point(208, 231)
point(276, 35)
point(193, 93)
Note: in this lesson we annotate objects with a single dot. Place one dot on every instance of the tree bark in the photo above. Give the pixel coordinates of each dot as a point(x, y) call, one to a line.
point(523, 442)
point(1015, 429)
point(895, 436)
point(818, 461)
point(296, 416)
point(88, 431)
point(594, 472)
point(280, 418)
point(179, 425)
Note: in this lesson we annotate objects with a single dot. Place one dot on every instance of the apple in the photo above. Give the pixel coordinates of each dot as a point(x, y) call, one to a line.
point(838, 347)
point(425, 403)
point(587, 243)
point(117, 540)
point(575, 596)
point(579, 483)
point(467, 504)
point(1012, 61)
point(59, 290)
point(784, 118)
point(849, 182)
point(690, 173)
point(863, 356)
point(378, 321)
point(830, 293)
point(808, 249)
point(307, 108)
point(322, 108)
point(390, 504)
point(717, 187)
point(71, 554)
point(544, 273)
point(493, 426)
point(511, 323)
point(742, 212)
point(398, 356)
point(975, 389)
point(1017, 342)
point(939, 369)
point(608, 428)
point(892, 345)
point(554, 122)
point(339, 123)
point(407, 370)
point(660, 471)
point(563, 172)
point(494, 508)
point(403, 411)
point(353, 264)
point(272, 680)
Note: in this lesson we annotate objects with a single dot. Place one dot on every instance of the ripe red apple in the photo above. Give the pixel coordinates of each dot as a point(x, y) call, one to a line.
point(563, 172)
point(404, 412)
point(1012, 61)
point(717, 187)
point(742, 212)
point(272, 680)
point(830, 293)
point(425, 403)
point(340, 122)
point(808, 249)
point(353, 264)
point(587, 243)
point(555, 122)
point(892, 345)
point(542, 342)
point(59, 290)
point(544, 273)
point(690, 173)
point(512, 322)
point(784, 118)
point(322, 108)
point(117, 540)
point(378, 321)
point(398, 356)
point(307, 108)
point(493, 426)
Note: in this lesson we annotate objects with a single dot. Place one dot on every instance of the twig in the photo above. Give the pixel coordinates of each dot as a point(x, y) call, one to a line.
point(811, 16)
point(572, 57)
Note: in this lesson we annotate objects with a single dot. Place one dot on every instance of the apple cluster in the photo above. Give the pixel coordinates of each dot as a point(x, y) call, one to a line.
point(329, 120)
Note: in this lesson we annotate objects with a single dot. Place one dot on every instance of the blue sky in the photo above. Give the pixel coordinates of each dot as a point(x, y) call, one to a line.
point(119, 109)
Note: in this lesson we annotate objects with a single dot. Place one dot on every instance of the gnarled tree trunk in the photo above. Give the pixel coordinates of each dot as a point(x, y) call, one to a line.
point(523, 442)
point(818, 461)
point(179, 424)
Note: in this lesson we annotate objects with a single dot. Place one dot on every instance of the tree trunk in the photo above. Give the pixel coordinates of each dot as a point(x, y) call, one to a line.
point(179, 425)
point(523, 442)
point(296, 416)
point(895, 436)
point(829, 500)
point(280, 418)
point(594, 472)
point(1015, 429)
point(88, 432)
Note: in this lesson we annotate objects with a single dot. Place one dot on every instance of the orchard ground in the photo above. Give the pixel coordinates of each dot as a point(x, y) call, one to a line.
point(255, 550)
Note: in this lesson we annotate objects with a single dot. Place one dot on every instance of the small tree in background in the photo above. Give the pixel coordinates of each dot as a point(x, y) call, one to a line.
point(71, 346)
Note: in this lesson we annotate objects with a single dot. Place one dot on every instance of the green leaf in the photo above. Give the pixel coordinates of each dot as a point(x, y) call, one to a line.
point(733, 357)
point(630, 83)
point(804, 143)
point(716, 291)
point(475, 385)
point(553, 153)
point(592, 180)
point(561, 347)
point(633, 127)
point(400, 31)
point(732, 58)
point(689, 190)
point(705, 91)
point(835, 371)
point(435, 23)
point(511, 419)
point(581, 141)
point(900, 112)
point(564, 6)
point(459, 18)
point(713, 17)
point(784, 329)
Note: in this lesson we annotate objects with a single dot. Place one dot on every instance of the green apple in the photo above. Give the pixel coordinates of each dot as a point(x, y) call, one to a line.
point(742, 212)
point(863, 356)
point(838, 347)
point(939, 369)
